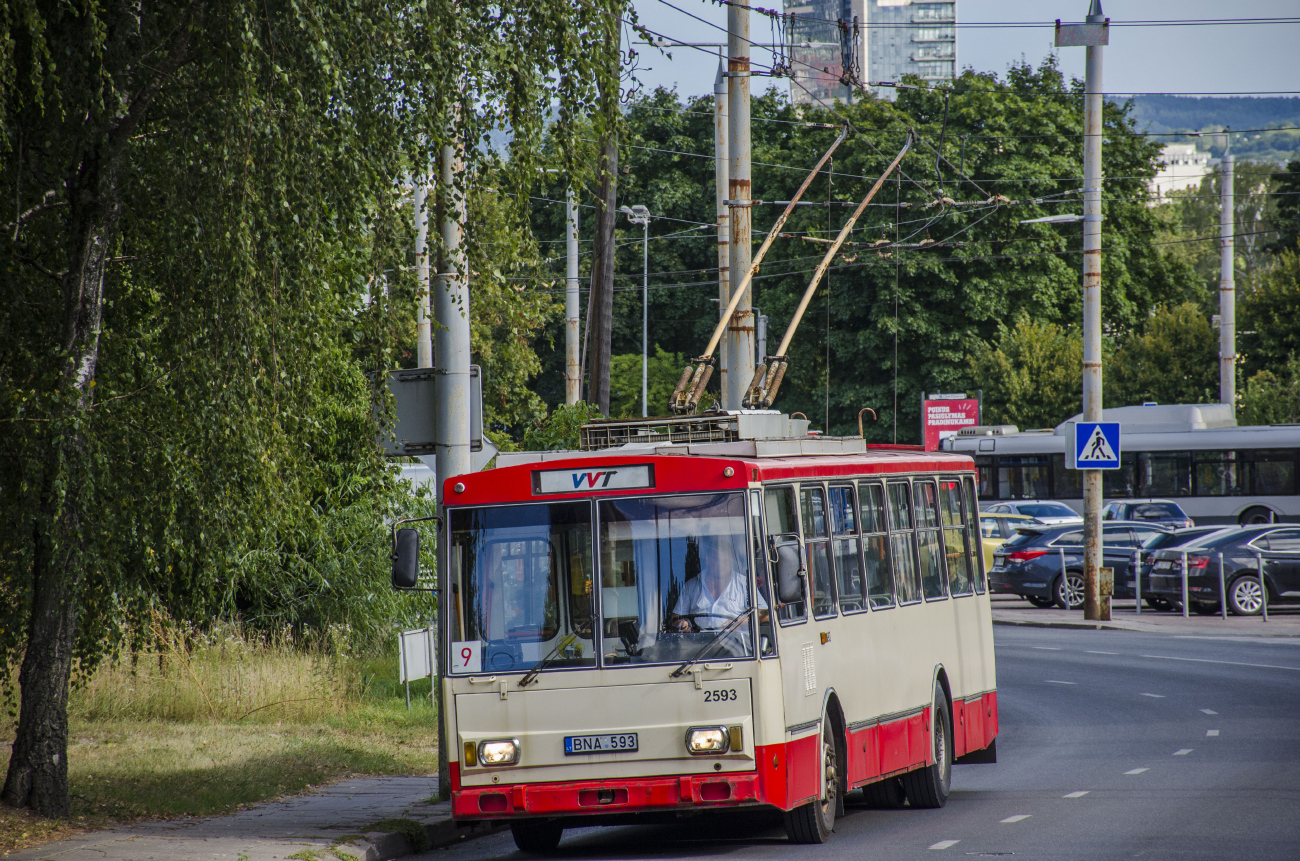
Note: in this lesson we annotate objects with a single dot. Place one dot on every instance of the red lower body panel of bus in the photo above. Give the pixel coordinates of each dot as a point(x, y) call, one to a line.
point(787, 775)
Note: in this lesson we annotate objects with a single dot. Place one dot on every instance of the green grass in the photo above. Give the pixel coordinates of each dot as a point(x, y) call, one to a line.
point(206, 724)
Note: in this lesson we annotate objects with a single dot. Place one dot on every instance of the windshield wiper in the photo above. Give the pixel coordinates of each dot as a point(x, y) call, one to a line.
point(731, 626)
point(551, 657)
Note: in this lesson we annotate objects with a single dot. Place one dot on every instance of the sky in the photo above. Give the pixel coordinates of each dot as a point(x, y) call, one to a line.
point(1203, 59)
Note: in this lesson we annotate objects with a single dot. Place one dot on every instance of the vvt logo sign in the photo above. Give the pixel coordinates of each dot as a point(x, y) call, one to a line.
point(593, 479)
point(625, 477)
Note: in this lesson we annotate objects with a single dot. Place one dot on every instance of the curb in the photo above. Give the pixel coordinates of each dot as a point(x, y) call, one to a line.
point(1085, 626)
point(385, 845)
point(1103, 626)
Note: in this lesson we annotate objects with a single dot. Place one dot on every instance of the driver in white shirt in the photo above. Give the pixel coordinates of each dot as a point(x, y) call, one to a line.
point(719, 594)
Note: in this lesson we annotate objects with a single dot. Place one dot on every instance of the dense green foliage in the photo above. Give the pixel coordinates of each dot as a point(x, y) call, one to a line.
point(1032, 374)
point(1010, 151)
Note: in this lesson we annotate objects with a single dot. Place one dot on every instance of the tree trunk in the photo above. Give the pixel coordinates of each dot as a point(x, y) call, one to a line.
point(601, 322)
point(38, 764)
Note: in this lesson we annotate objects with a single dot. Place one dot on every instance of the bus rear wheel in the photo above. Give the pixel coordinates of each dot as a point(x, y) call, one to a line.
point(813, 822)
point(929, 786)
point(537, 838)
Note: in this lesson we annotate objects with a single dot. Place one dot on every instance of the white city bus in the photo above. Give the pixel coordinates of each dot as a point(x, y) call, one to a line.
point(660, 630)
point(1192, 453)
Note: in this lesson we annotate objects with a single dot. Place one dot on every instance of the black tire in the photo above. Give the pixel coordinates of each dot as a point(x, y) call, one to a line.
point(887, 794)
point(813, 822)
point(1244, 596)
point(1041, 603)
point(1254, 515)
point(929, 786)
point(1067, 588)
point(537, 837)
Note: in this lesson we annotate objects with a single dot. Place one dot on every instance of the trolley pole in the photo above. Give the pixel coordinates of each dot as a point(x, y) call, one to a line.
point(572, 342)
point(1093, 34)
point(1227, 290)
point(740, 329)
point(721, 178)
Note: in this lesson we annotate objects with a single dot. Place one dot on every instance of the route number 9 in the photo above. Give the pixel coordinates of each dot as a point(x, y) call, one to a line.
point(467, 657)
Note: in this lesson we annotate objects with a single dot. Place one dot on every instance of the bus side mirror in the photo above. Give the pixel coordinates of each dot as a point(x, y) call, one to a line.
point(789, 573)
point(406, 558)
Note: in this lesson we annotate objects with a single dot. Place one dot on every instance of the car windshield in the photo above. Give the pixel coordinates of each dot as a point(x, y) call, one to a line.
point(1156, 511)
point(1216, 539)
point(1046, 509)
point(675, 572)
point(1175, 539)
point(521, 587)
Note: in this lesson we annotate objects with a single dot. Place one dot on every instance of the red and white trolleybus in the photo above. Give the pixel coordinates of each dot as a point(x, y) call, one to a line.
point(667, 627)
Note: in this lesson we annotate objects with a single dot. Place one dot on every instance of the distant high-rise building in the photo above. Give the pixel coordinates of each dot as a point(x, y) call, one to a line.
point(892, 38)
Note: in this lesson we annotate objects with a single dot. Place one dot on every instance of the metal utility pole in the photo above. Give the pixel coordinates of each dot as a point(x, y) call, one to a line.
point(640, 215)
point(1227, 289)
point(423, 328)
point(572, 345)
point(451, 310)
point(1092, 35)
point(740, 330)
point(721, 174)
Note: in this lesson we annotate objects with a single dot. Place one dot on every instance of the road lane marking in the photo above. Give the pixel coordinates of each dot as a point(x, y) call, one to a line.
point(1137, 771)
point(1209, 711)
point(1018, 817)
point(1091, 652)
point(1229, 663)
point(1047, 648)
point(1080, 794)
point(1183, 752)
point(1059, 682)
point(1211, 733)
point(1157, 696)
point(945, 844)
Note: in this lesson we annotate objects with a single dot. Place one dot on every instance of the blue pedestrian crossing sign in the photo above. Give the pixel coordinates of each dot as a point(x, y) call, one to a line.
point(1093, 445)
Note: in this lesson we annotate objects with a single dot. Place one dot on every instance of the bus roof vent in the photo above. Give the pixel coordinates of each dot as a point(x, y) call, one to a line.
point(715, 426)
point(988, 430)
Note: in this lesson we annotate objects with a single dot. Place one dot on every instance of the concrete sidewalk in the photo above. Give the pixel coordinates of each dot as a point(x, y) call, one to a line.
point(330, 824)
point(1282, 621)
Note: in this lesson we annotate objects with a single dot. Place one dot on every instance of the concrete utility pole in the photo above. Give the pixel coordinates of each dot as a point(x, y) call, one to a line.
point(1227, 289)
point(572, 345)
point(1093, 35)
point(451, 310)
point(740, 331)
point(721, 173)
point(424, 331)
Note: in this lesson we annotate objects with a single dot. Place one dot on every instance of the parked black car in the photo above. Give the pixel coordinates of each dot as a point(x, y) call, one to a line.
point(1044, 564)
point(1164, 541)
point(1277, 547)
point(1162, 511)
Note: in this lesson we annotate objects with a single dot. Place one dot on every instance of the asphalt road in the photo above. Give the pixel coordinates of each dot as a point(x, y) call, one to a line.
point(1114, 744)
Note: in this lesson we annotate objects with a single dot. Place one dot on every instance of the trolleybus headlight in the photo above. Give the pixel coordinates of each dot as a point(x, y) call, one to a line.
point(707, 739)
point(500, 751)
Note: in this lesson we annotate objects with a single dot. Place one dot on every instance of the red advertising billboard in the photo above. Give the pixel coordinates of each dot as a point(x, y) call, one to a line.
point(943, 417)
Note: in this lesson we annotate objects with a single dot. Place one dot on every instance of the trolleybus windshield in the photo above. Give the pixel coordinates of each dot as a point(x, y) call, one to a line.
point(674, 574)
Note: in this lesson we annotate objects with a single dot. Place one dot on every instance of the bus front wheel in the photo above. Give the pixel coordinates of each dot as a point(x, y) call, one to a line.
point(813, 822)
point(929, 786)
point(537, 838)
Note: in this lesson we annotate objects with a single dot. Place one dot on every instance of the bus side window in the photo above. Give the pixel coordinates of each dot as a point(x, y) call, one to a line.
point(766, 633)
point(844, 549)
point(956, 548)
point(902, 543)
point(782, 515)
point(929, 541)
point(875, 547)
point(812, 505)
point(972, 543)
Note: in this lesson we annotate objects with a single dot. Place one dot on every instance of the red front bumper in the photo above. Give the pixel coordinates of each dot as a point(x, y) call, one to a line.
point(627, 795)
